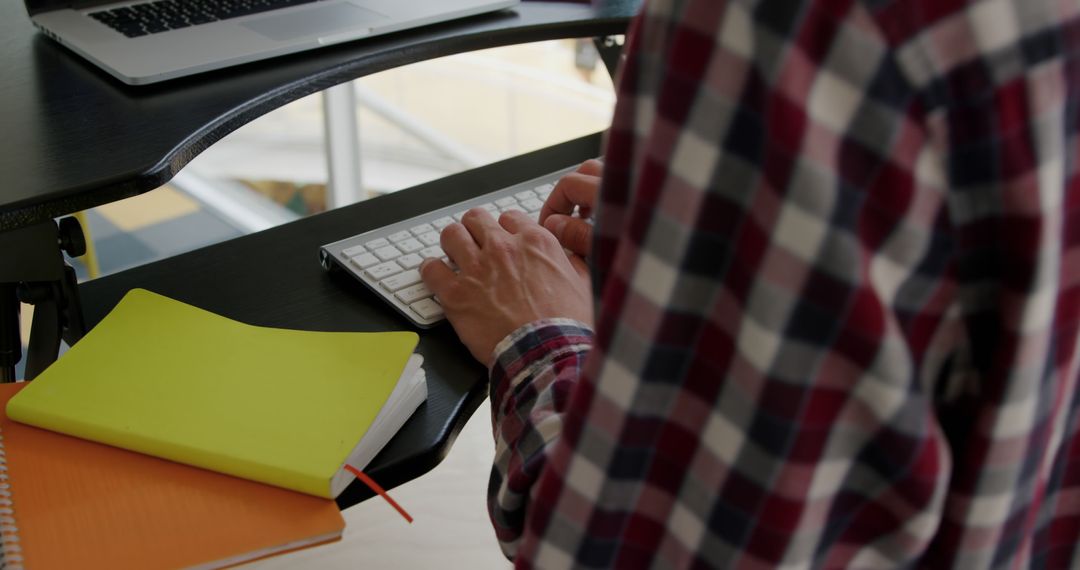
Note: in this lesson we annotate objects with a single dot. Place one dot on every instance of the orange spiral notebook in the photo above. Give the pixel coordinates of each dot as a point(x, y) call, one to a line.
point(71, 503)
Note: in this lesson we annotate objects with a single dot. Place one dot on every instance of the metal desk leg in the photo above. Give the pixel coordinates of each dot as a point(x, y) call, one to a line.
point(342, 146)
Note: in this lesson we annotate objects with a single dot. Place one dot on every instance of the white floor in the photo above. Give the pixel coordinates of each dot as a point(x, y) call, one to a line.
point(451, 527)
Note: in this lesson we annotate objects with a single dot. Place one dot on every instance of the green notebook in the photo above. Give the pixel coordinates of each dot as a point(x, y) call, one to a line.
point(285, 407)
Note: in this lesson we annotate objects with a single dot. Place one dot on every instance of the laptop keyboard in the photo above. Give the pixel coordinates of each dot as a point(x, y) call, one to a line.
point(163, 15)
point(387, 260)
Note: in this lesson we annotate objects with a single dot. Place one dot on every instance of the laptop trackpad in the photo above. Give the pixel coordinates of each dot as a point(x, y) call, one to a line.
point(314, 22)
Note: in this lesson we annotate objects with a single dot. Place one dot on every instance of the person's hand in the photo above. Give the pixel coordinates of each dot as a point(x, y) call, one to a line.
point(512, 272)
point(578, 189)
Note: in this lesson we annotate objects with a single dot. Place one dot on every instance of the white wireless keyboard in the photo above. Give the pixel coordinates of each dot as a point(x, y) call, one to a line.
point(387, 260)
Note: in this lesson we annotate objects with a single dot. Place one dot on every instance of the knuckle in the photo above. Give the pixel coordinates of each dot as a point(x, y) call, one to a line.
point(538, 238)
point(579, 234)
point(471, 268)
point(500, 247)
point(575, 231)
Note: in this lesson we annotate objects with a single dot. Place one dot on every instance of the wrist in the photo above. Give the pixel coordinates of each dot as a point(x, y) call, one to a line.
point(533, 345)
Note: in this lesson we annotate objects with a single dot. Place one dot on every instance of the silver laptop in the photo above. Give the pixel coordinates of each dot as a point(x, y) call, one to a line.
point(155, 40)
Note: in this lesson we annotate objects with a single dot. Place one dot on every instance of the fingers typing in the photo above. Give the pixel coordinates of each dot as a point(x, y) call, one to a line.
point(436, 275)
point(592, 167)
point(515, 221)
point(574, 190)
point(458, 243)
point(480, 225)
point(574, 234)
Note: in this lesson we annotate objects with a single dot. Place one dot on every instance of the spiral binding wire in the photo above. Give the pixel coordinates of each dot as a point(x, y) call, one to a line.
point(10, 551)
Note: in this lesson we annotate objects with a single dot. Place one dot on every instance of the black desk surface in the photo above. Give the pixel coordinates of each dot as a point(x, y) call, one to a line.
point(273, 278)
point(73, 137)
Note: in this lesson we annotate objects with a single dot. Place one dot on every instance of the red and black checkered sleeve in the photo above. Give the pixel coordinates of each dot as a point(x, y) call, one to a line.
point(837, 269)
point(536, 368)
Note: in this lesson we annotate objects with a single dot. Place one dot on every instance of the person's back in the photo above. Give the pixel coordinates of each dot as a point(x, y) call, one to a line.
point(838, 283)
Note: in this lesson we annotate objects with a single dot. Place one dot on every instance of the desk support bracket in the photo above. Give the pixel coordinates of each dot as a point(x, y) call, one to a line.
point(610, 50)
point(34, 272)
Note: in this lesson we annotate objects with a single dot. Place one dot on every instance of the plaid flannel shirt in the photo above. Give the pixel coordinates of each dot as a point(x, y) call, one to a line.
point(836, 263)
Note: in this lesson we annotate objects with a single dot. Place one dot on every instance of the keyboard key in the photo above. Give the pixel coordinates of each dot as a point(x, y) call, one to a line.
point(505, 202)
point(514, 207)
point(532, 204)
point(413, 293)
point(460, 215)
point(421, 229)
point(377, 243)
point(410, 245)
point(387, 253)
point(430, 238)
point(401, 280)
point(427, 309)
point(353, 251)
point(364, 260)
point(410, 261)
point(441, 223)
point(433, 251)
point(544, 190)
point(396, 237)
point(525, 195)
point(490, 207)
point(383, 270)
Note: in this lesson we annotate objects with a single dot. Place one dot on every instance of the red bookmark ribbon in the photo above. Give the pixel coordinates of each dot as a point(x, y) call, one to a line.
point(378, 490)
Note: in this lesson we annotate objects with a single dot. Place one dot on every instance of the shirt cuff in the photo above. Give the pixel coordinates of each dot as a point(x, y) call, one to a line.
point(536, 345)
